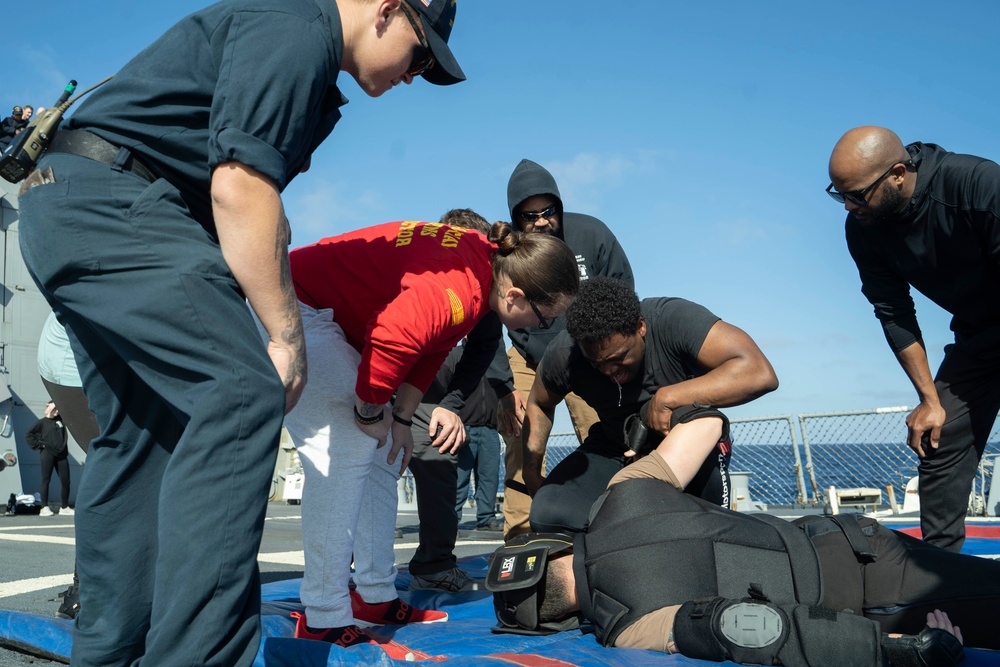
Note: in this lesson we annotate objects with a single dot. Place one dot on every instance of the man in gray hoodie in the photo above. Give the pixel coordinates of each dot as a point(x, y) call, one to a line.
point(537, 207)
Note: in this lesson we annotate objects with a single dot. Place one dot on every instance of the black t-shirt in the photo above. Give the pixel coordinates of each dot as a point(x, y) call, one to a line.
point(675, 332)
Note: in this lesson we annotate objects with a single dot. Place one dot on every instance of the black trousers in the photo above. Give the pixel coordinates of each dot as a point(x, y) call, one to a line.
point(436, 478)
point(907, 579)
point(563, 502)
point(61, 466)
point(968, 385)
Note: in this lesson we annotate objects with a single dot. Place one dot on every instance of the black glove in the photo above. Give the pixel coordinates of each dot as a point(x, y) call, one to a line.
point(933, 647)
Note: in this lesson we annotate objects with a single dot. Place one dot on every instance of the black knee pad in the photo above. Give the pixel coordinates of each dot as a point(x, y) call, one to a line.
point(931, 648)
point(758, 633)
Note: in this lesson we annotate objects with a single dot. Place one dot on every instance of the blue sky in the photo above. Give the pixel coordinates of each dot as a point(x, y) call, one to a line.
point(699, 132)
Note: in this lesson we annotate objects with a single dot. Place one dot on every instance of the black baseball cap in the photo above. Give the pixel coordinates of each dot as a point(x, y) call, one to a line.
point(17, 111)
point(437, 18)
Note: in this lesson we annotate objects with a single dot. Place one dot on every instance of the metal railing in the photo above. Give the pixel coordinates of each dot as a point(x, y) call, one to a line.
point(794, 459)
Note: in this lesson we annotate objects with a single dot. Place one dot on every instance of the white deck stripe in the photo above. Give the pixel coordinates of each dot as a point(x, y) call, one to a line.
point(37, 584)
point(283, 558)
point(41, 539)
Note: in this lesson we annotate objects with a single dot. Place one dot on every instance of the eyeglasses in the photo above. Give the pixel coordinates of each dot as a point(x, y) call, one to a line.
point(531, 216)
point(543, 322)
point(423, 58)
point(858, 196)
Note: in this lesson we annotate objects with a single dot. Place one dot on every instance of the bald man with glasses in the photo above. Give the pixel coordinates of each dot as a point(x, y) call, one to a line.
point(920, 216)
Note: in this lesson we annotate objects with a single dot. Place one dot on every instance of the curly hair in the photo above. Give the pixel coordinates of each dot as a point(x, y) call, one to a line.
point(603, 307)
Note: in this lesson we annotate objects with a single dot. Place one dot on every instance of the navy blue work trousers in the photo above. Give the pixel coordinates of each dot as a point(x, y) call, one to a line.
point(171, 503)
point(482, 456)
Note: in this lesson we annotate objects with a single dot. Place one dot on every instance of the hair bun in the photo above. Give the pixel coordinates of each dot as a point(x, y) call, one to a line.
point(504, 236)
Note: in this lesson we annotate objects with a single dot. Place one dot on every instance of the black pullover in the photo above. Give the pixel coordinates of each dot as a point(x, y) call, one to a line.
point(945, 243)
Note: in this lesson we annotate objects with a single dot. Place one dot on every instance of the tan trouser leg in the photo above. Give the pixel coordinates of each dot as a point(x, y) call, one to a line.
point(516, 505)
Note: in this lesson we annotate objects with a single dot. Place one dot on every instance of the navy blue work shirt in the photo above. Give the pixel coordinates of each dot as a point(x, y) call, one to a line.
point(250, 81)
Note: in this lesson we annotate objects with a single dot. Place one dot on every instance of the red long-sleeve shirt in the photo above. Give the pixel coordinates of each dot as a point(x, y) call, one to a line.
point(404, 293)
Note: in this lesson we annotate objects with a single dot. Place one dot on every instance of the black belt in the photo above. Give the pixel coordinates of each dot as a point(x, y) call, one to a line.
point(89, 145)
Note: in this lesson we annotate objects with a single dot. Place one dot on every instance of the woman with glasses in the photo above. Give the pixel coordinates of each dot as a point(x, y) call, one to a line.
point(382, 307)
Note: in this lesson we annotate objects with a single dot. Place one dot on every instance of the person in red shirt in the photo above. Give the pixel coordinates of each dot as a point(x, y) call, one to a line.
point(382, 307)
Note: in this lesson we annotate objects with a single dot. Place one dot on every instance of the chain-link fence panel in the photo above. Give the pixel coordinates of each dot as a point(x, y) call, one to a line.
point(766, 448)
point(864, 448)
point(867, 448)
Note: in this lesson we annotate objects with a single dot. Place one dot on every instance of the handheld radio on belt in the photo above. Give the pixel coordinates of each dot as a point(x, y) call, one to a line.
point(22, 155)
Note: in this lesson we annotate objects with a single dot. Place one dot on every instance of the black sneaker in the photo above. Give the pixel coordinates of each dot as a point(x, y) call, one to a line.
point(493, 526)
point(70, 606)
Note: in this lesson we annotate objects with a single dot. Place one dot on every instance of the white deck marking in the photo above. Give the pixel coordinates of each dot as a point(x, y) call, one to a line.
point(41, 539)
point(37, 584)
point(283, 558)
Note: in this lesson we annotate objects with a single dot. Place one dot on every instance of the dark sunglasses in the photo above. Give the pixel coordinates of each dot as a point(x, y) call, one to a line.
point(858, 196)
point(423, 58)
point(531, 216)
point(543, 322)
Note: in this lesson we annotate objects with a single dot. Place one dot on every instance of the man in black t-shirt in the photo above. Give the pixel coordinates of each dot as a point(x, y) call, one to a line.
point(624, 357)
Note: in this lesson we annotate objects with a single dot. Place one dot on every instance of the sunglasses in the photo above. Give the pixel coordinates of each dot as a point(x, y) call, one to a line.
point(858, 196)
point(423, 58)
point(531, 216)
point(543, 322)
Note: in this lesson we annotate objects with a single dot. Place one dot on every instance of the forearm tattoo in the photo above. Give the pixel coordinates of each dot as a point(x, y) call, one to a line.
point(292, 335)
point(368, 410)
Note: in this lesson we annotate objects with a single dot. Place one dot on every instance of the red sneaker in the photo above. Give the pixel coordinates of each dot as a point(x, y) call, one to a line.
point(351, 635)
point(394, 612)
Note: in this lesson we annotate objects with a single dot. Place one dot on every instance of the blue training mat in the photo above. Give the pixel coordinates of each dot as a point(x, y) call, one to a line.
point(464, 640)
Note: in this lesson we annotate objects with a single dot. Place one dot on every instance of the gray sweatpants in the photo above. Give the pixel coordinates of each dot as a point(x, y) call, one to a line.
point(349, 495)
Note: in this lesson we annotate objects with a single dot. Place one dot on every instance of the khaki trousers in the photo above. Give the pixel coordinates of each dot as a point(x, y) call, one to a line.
point(516, 504)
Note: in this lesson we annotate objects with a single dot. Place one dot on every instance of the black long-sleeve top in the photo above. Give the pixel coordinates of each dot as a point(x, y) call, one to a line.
point(945, 243)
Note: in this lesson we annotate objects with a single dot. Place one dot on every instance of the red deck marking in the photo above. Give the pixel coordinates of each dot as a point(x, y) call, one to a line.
point(398, 651)
point(990, 532)
point(531, 660)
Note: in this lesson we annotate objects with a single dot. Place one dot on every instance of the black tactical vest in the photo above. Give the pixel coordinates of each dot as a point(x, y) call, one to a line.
point(681, 548)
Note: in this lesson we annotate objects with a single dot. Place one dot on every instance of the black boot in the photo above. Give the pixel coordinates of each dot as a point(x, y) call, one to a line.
point(70, 606)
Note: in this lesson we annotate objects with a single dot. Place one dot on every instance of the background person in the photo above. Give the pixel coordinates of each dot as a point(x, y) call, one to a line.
point(623, 357)
point(443, 429)
point(48, 436)
point(11, 125)
point(61, 378)
point(923, 217)
point(154, 215)
point(481, 457)
point(382, 308)
point(435, 470)
point(537, 207)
